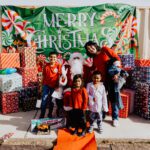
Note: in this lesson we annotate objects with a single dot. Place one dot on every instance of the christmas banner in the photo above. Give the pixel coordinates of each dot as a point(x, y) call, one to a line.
point(66, 30)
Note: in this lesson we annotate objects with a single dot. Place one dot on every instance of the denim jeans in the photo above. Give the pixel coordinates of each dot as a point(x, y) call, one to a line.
point(96, 116)
point(115, 111)
point(46, 94)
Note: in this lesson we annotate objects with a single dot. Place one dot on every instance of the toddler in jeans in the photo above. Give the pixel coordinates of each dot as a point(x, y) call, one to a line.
point(97, 101)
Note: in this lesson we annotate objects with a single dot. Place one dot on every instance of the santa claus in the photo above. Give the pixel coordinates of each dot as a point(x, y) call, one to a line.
point(76, 65)
point(69, 70)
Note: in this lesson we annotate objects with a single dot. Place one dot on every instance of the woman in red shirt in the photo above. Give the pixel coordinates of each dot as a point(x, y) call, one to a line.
point(100, 59)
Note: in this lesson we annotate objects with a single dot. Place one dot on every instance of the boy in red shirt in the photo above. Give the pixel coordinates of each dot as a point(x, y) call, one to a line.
point(51, 73)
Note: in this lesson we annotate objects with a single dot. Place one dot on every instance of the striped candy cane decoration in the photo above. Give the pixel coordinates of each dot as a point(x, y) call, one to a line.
point(106, 14)
point(134, 27)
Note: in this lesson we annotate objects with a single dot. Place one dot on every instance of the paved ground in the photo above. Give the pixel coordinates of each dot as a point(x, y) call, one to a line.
point(133, 127)
point(132, 134)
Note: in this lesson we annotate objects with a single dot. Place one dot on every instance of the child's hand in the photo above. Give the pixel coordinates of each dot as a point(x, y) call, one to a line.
point(64, 71)
point(116, 77)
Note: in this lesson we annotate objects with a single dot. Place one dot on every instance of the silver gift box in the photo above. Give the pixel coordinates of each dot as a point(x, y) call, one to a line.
point(10, 82)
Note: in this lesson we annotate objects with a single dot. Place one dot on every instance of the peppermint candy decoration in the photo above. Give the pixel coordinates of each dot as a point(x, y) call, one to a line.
point(6, 38)
point(41, 57)
point(60, 59)
point(12, 22)
point(28, 30)
point(88, 61)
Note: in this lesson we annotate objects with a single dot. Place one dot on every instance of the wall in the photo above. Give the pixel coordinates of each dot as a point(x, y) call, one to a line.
point(143, 16)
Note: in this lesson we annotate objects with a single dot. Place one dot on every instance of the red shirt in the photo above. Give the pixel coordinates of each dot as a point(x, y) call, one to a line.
point(100, 60)
point(51, 75)
point(79, 98)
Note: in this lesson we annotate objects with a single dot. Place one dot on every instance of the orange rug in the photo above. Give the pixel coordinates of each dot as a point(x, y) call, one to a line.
point(66, 141)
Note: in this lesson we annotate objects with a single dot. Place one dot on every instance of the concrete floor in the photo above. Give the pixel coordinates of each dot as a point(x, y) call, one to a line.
point(133, 127)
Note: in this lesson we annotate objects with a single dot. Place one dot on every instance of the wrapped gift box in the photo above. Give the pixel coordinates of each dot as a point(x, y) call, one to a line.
point(27, 93)
point(130, 94)
point(10, 82)
point(142, 98)
point(9, 60)
point(142, 62)
point(29, 76)
point(29, 103)
point(127, 60)
point(28, 57)
point(146, 74)
point(146, 115)
point(123, 113)
point(9, 102)
point(141, 74)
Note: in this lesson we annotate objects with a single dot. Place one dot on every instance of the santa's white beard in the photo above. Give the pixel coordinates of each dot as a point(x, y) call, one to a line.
point(76, 67)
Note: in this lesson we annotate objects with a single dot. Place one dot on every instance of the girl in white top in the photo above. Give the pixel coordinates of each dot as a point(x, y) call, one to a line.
point(97, 101)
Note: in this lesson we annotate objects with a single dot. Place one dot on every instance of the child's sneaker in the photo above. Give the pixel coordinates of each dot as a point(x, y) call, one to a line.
point(73, 132)
point(115, 123)
point(80, 134)
point(90, 130)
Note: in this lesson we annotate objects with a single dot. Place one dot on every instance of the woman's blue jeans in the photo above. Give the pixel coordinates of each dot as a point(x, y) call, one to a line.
point(115, 111)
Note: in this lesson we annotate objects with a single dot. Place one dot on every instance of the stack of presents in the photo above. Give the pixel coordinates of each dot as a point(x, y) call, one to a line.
point(21, 89)
point(136, 92)
point(18, 90)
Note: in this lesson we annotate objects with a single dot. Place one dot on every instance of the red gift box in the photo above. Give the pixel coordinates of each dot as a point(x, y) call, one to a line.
point(9, 102)
point(142, 62)
point(131, 94)
point(28, 57)
point(123, 113)
point(29, 76)
point(9, 60)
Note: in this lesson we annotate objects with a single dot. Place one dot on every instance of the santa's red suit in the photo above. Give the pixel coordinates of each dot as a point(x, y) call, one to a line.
point(75, 66)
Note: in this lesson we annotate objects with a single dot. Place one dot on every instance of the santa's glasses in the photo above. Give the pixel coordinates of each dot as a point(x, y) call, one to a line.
point(76, 58)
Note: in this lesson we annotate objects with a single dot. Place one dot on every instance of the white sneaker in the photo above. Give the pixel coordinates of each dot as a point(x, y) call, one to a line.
point(115, 123)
